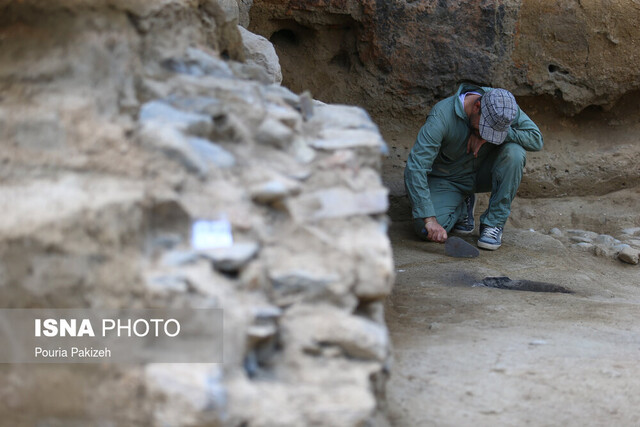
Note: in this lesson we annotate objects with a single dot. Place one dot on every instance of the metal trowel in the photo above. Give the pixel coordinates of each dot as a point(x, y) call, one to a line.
point(458, 248)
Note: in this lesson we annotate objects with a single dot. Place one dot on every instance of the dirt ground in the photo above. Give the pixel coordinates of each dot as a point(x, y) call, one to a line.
point(478, 356)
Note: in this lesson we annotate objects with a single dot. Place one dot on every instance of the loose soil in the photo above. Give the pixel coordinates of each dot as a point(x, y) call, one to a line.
point(479, 356)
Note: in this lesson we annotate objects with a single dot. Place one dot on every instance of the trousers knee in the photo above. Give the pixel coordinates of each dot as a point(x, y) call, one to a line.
point(513, 154)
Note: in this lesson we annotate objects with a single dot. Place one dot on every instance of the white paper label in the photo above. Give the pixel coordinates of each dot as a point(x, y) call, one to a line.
point(211, 234)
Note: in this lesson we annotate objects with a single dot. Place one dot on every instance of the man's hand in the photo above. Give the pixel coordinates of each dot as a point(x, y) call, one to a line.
point(475, 143)
point(435, 232)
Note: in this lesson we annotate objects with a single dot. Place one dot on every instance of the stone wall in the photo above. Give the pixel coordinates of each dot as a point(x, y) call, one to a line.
point(124, 122)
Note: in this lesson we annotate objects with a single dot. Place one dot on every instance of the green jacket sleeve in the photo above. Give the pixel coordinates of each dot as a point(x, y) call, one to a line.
point(524, 131)
point(419, 164)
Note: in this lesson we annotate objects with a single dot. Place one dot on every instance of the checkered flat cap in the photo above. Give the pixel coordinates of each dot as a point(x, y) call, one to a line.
point(498, 109)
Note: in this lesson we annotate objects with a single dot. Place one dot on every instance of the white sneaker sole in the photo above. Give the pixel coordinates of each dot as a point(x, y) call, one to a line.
point(488, 246)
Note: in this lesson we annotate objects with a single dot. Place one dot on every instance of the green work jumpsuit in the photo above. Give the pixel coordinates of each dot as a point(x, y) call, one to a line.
point(440, 173)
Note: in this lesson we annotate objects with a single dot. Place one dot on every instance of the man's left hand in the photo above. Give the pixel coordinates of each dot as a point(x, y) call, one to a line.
point(475, 143)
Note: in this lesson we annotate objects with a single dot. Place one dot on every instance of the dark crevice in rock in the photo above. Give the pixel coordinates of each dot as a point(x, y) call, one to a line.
point(284, 37)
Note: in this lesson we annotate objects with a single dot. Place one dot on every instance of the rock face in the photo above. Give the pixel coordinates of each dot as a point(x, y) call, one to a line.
point(125, 122)
point(417, 52)
point(571, 65)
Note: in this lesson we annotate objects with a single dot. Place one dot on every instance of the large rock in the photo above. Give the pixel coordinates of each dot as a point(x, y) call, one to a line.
point(629, 255)
point(357, 337)
point(260, 52)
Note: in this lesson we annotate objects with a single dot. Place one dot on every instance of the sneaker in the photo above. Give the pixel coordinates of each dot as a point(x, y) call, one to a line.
point(490, 237)
point(466, 225)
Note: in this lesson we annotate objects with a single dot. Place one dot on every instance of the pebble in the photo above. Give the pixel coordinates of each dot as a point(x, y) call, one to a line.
point(160, 112)
point(632, 231)
point(199, 63)
point(341, 117)
point(231, 259)
point(358, 337)
point(581, 239)
point(285, 115)
point(275, 133)
point(603, 251)
point(300, 279)
point(634, 242)
point(212, 153)
point(629, 255)
point(277, 93)
point(585, 246)
point(174, 144)
point(196, 104)
point(302, 152)
point(339, 202)
point(555, 232)
point(605, 239)
point(588, 234)
point(619, 247)
point(273, 191)
point(337, 139)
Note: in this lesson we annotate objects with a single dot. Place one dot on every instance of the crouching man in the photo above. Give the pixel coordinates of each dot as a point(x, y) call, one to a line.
point(472, 142)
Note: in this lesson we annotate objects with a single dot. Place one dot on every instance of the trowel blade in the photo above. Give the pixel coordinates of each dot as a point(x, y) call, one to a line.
point(458, 248)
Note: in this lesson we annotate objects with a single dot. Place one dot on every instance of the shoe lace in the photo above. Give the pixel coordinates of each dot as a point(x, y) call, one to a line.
point(467, 203)
point(464, 221)
point(492, 232)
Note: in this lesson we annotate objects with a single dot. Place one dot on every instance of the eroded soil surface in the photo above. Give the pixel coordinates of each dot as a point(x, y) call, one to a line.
point(479, 356)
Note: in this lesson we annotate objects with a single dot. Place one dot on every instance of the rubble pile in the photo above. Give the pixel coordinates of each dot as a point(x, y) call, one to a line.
point(626, 248)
